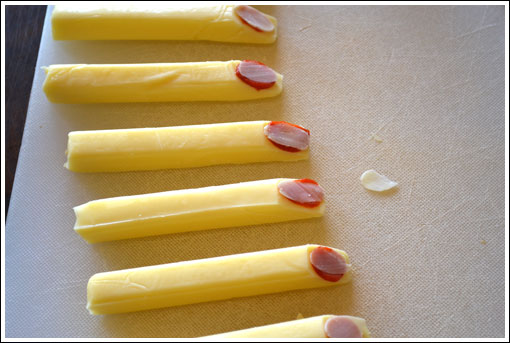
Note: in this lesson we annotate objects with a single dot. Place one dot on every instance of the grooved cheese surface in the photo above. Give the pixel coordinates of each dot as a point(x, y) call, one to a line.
point(427, 257)
point(212, 279)
point(156, 21)
point(234, 205)
point(150, 82)
point(173, 147)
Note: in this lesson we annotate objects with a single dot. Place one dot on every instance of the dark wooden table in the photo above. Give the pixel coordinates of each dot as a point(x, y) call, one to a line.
point(23, 28)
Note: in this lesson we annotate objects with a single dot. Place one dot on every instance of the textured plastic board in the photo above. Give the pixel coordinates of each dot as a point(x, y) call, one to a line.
point(428, 257)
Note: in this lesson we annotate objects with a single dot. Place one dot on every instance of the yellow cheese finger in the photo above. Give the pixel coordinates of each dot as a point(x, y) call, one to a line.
point(161, 82)
point(217, 278)
point(223, 23)
point(247, 203)
point(326, 326)
point(185, 146)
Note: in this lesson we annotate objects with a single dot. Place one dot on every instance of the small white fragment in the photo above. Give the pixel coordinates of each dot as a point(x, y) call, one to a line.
point(374, 181)
point(375, 137)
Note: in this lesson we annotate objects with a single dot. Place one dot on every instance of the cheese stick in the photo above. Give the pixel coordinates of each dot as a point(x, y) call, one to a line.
point(325, 326)
point(222, 23)
point(218, 278)
point(185, 146)
point(160, 82)
point(247, 203)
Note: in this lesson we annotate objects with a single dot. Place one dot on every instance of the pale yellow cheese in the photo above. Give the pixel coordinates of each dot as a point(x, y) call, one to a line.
point(162, 21)
point(205, 280)
point(151, 82)
point(312, 327)
point(173, 147)
point(246, 203)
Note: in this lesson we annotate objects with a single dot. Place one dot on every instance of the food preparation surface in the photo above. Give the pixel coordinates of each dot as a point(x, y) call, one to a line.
point(416, 93)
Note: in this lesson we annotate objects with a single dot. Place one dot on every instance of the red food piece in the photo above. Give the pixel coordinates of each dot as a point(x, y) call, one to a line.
point(341, 327)
point(254, 18)
point(304, 192)
point(328, 263)
point(287, 136)
point(256, 74)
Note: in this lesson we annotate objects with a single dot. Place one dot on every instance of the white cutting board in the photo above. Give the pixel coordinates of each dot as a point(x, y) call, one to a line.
point(428, 258)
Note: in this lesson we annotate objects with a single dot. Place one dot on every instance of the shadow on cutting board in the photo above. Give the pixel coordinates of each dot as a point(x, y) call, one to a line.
point(121, 52)
point(384, 194)
point(105, 185)
point(74, 117)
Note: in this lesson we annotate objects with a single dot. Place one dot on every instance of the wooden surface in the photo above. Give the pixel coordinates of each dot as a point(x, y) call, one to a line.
point(23, 27)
